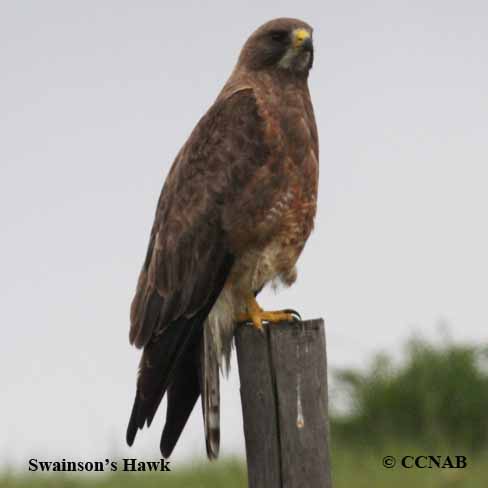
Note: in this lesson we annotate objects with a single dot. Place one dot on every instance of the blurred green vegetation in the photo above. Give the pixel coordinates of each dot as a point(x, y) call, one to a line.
point(432, 402)
point(360, 467)
point(437, 396)
point(351, 468)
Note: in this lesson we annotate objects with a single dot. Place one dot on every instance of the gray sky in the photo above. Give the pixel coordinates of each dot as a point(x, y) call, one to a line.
point(96, 99)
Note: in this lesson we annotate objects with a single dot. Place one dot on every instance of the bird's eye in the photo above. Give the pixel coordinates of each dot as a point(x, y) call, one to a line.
point(279, 35)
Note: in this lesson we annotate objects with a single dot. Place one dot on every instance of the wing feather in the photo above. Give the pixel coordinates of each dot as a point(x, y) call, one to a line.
point(189, 259)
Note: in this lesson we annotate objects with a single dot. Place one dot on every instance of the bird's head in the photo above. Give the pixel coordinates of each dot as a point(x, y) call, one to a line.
point(280, 44)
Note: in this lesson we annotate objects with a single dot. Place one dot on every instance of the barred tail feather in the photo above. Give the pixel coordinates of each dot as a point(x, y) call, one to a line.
point(210, 387)
point(171, 363)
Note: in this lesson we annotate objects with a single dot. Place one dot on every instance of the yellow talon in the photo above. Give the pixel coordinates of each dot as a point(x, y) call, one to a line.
point(257, 315)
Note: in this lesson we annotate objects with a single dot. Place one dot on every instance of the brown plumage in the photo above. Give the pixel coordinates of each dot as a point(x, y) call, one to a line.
point(234, 214)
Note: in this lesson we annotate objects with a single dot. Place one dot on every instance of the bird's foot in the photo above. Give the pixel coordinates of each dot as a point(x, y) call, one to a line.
point(256, 315)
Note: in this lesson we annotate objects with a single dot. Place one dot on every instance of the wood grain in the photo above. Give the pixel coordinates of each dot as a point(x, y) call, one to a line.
point(283, 374)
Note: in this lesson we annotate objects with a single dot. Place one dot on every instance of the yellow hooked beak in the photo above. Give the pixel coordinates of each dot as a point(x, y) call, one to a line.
point(299, 37)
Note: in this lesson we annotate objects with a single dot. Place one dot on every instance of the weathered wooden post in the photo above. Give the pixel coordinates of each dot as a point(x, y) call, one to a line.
point(283, 374)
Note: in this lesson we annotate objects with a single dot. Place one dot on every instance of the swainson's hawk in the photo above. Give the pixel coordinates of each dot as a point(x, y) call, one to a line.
point(234, 214)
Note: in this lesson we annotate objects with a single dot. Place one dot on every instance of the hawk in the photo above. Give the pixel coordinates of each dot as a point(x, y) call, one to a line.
point(234, 214)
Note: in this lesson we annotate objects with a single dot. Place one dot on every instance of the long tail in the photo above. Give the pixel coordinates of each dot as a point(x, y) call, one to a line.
point(197, 374)
point(210, 387)
point(182, 362)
